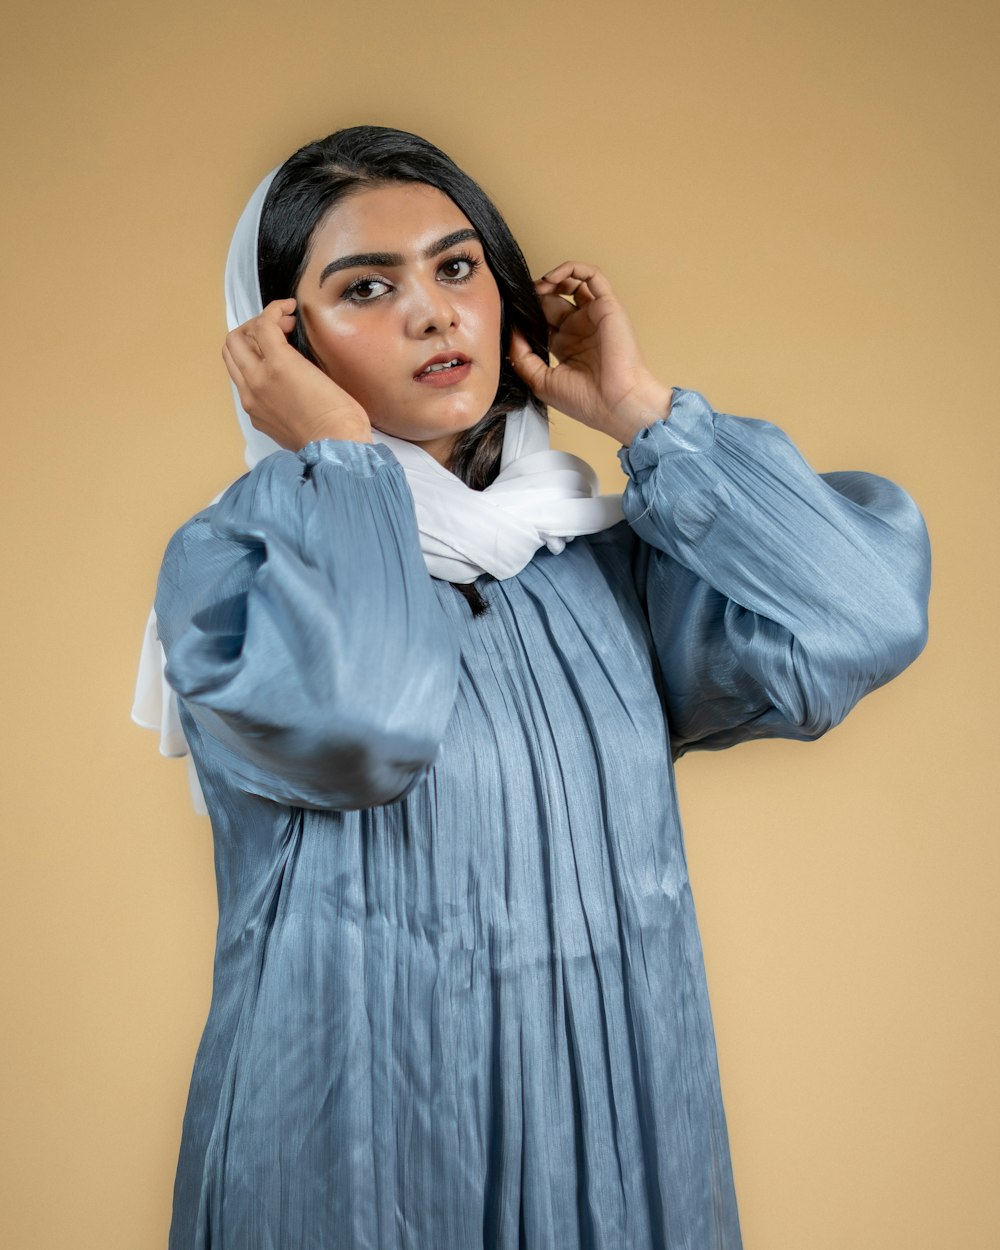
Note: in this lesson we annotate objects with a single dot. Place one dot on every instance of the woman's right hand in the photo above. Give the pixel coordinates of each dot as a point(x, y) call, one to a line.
point(286, 396)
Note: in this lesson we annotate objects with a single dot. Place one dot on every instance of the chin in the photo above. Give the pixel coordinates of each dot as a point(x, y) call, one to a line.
point(454, 423)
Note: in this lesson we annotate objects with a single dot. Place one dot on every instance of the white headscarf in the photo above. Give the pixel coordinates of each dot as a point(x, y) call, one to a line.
point(540, 497)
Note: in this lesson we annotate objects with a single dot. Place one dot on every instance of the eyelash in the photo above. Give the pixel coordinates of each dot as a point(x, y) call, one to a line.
point(472, 261)
point(371, 278)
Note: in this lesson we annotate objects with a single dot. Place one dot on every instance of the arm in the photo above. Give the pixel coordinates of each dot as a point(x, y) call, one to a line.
point(303, 633)
point(776, 597)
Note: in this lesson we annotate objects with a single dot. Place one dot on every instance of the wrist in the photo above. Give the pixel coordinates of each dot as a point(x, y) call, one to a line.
point(648, 402)
point(356, 429)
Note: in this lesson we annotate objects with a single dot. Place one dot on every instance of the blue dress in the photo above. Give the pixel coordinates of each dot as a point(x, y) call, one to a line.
point(459, 998)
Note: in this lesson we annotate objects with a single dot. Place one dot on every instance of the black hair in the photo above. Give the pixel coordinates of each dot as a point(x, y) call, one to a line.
point(319, 175)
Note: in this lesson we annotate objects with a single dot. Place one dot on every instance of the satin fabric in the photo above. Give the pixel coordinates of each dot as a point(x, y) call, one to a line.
point(459, 996)
point(540, 496)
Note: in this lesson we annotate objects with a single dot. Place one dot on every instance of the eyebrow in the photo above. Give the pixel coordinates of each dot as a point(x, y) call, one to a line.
point(386, 260)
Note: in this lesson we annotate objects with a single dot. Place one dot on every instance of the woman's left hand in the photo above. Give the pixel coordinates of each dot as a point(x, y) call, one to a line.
point(601, 379)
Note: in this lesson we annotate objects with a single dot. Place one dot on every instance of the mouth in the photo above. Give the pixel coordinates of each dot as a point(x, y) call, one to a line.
point(444, 368)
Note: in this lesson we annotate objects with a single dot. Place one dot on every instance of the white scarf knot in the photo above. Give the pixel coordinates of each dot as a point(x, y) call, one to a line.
point(539, 498)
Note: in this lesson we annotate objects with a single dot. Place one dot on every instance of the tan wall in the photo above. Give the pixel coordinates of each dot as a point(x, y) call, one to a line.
point(798, 201)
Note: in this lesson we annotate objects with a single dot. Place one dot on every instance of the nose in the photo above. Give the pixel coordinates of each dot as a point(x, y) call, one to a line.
point(430, 310)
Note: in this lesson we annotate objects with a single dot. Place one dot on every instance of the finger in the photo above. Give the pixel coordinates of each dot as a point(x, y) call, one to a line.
point(579, 270)
point(527, 364)
point(270, 331)
point(556, 310)
point(244, 348)
point(236, 374)
point(266, 337)
point(553, 276)
point(258, 331)
point(571, 275)
point(568, 284)
point(281, 313)
point(576, 289)
point(279, 308)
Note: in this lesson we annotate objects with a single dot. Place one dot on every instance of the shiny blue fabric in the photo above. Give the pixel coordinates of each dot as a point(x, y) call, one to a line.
point(459, 996)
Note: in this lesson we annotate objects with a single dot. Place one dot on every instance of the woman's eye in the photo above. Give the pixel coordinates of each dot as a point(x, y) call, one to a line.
point(460, 268)
point(364, 290)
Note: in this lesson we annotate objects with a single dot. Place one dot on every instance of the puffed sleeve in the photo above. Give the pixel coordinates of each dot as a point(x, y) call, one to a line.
point(303, 633)
point(776, 597)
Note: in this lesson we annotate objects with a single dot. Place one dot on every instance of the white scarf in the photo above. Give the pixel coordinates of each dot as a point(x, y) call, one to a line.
point(540, 498)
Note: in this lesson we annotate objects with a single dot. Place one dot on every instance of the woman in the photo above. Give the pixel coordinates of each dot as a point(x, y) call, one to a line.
point(432, 684)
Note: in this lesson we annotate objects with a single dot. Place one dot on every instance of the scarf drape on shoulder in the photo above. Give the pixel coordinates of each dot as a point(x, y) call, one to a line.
point(539, 498)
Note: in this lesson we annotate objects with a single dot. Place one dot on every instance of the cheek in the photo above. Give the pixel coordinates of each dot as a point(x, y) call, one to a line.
point(353, 354)
point(486, 316)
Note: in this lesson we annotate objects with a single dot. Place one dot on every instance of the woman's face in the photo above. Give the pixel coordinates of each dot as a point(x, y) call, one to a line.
point(396, 281)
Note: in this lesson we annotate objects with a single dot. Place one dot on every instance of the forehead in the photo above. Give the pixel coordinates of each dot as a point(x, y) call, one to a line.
point(401, 217)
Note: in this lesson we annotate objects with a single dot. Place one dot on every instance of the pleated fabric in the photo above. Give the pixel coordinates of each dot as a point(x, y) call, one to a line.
point(459, 997)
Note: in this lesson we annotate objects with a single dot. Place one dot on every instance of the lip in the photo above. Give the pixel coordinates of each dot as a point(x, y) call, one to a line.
point(440, 359)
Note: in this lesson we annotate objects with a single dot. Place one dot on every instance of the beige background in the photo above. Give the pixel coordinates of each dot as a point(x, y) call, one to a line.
point(798, 202)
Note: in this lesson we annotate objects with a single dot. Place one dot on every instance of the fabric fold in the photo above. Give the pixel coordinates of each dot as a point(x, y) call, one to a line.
point(541, 497)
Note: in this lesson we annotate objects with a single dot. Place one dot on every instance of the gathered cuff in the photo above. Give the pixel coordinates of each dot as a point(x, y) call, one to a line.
point(690, 427)
point(364, 459)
